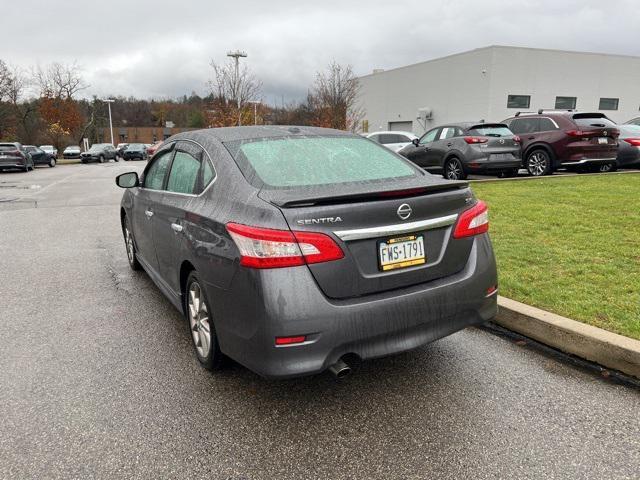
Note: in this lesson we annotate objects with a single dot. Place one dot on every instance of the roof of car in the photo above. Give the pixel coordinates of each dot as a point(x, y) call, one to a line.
point(230, 134)
point(392, 132)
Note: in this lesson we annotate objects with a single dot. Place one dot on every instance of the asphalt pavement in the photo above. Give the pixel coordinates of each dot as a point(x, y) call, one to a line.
point(98, 379)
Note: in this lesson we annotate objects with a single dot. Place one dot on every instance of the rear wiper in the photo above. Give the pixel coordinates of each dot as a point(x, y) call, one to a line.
point(493, 135)
point(597, 125)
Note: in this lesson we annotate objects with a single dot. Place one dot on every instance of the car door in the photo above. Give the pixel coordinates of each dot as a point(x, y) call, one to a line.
point(527, 129)
point(145, 202)
point(441, 146)
point(39, 156)
point(190, 173)
point(420, 154)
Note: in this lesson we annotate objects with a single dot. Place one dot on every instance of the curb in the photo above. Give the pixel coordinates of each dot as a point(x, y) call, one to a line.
point(67, 161)
point(591, 343)
point(551, 177)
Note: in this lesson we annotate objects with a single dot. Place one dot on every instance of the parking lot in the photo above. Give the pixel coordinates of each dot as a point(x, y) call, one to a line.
point(100, 381)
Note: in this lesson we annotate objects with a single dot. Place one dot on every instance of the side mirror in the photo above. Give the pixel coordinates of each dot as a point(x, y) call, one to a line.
point(415, 141)
point(128, 180)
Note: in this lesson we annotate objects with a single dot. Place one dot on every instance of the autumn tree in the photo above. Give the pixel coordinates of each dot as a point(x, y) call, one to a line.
point(231, 90)
point(334, 98)
point(58, 83)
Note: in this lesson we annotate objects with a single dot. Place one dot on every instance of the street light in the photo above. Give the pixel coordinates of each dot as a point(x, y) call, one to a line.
point(237, 55)
point(255, 110)
point(109, 101)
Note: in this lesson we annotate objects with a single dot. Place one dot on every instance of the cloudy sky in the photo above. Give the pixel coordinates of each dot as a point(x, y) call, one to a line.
point(156, 48)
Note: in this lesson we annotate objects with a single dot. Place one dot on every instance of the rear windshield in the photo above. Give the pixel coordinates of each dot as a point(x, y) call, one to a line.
point(135, 146)
point(7, 147)
point(491, 130)
point(303, 161)
point(593, 120)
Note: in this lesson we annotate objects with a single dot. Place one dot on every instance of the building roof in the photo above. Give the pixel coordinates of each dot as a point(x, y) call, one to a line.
point(378, 71)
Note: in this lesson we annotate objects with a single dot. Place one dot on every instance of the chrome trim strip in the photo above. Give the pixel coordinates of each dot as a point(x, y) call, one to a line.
point(397, 229)
point(589, 160)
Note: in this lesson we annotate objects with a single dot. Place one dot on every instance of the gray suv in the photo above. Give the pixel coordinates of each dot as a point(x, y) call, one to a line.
point(463, 148)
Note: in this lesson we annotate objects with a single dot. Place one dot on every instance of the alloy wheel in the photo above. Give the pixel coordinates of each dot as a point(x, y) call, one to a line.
point(199, 320)
point(128, 240)
point(453, 170)
point(606, 167)
point(537, 164)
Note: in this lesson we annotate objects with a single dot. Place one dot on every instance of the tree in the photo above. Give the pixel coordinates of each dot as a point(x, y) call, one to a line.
point(59, 80)
point(335, 98)
point(230, 88)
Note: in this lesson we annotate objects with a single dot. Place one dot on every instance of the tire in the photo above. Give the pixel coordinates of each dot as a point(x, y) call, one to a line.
point(26, 167)
point(52, 162)
point(130, 245)
point(606, 168)
point(538, 163)
point(101, 158)
point(453, 170)
point(197, 310)
point(83, 161)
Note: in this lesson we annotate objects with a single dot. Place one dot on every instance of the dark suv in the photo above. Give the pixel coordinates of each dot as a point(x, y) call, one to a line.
point(100, 152)
point(463, 148)
point(553, 139)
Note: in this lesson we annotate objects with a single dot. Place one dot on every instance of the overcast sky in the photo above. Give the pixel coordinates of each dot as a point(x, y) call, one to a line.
point(154, 48)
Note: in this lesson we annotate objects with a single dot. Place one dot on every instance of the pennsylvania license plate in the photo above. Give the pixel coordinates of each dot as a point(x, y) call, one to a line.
point(401, 252)
point(602, 140)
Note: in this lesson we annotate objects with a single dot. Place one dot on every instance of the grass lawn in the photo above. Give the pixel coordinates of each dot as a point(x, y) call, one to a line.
point(570, 245)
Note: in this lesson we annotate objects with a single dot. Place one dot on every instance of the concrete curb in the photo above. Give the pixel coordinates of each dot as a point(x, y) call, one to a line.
point(67, 161)
point(591, 343)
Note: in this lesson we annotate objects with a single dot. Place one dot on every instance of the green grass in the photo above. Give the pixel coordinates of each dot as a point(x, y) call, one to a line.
point(570, 246)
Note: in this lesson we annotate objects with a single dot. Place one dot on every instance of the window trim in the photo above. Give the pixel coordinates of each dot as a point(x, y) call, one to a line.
point(164, 184)
point(519, 95)
point(609, 109)
point(575, 102)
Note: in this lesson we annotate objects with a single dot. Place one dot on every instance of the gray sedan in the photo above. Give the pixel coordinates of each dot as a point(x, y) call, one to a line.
point(294, 250)
point(628, 146)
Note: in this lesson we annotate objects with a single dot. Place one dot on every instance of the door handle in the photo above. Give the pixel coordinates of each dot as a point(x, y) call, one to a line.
point(449, 144)
point(532, 138)
point(176, 227)
point(148, 213)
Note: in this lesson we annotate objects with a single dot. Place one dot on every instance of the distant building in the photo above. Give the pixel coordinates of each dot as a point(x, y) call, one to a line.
point(495, 82)
point(138, 134)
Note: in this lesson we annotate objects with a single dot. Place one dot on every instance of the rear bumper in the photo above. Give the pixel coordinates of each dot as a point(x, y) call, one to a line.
point(264, 304)
point(70, 155)
point(588, 161)
point(17, 163)
point(488, 165)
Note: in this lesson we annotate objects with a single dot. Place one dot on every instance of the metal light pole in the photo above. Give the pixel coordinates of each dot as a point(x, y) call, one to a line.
point(255, 110)
point(109, 101)
point(236, 56)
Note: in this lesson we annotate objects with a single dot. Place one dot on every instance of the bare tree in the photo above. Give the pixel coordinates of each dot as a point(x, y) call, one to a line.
point(335, 98)
point(59, 80)
point(231, 88)
point(6, 79)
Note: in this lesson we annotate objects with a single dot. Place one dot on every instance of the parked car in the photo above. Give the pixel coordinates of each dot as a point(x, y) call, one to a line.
point(135, 150)
point(553, 139)
point(51, 150)
point(13, 155)
point(72, 151)
point(39, 156)
point(463, 148)
point(633, 121)
point(99, 152)
point(629, 146)
point(121, 148)
point(395, 141)
point(151, 150)
point(326, 247)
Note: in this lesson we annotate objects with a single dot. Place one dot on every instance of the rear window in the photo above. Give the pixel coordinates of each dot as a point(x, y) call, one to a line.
point(491, 130)
point(305, 161)
point(6, 147)
point(593, 120)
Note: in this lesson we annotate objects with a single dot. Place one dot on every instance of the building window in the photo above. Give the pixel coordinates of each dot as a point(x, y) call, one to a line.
point(566, 103)
point(518, 101)
point(608, 104)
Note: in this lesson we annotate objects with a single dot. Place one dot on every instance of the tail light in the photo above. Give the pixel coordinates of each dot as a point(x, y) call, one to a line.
point(517, 139)
point(473, 140)
point(575, 133)
point(473, 221)
point(268, 248)
point(633, 141)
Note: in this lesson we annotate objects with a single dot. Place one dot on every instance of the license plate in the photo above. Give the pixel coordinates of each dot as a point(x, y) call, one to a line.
point(602, 140)
point(401, 252)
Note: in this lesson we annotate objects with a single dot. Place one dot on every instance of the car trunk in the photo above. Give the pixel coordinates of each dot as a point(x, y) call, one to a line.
point(362, 217)
point(499, 145)
point(596, 135)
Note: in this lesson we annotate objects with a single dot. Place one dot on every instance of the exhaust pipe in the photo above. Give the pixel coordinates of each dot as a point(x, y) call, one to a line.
point(340, 369)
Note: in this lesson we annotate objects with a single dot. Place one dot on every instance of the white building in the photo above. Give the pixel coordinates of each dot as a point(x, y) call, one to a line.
point(495, 82)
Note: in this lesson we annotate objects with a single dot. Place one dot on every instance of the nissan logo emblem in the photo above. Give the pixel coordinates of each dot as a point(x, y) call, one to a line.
point(404, 211)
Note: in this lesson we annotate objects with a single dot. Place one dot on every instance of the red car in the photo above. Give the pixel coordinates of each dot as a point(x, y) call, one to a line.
point(152, 149)
point(553, 139)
